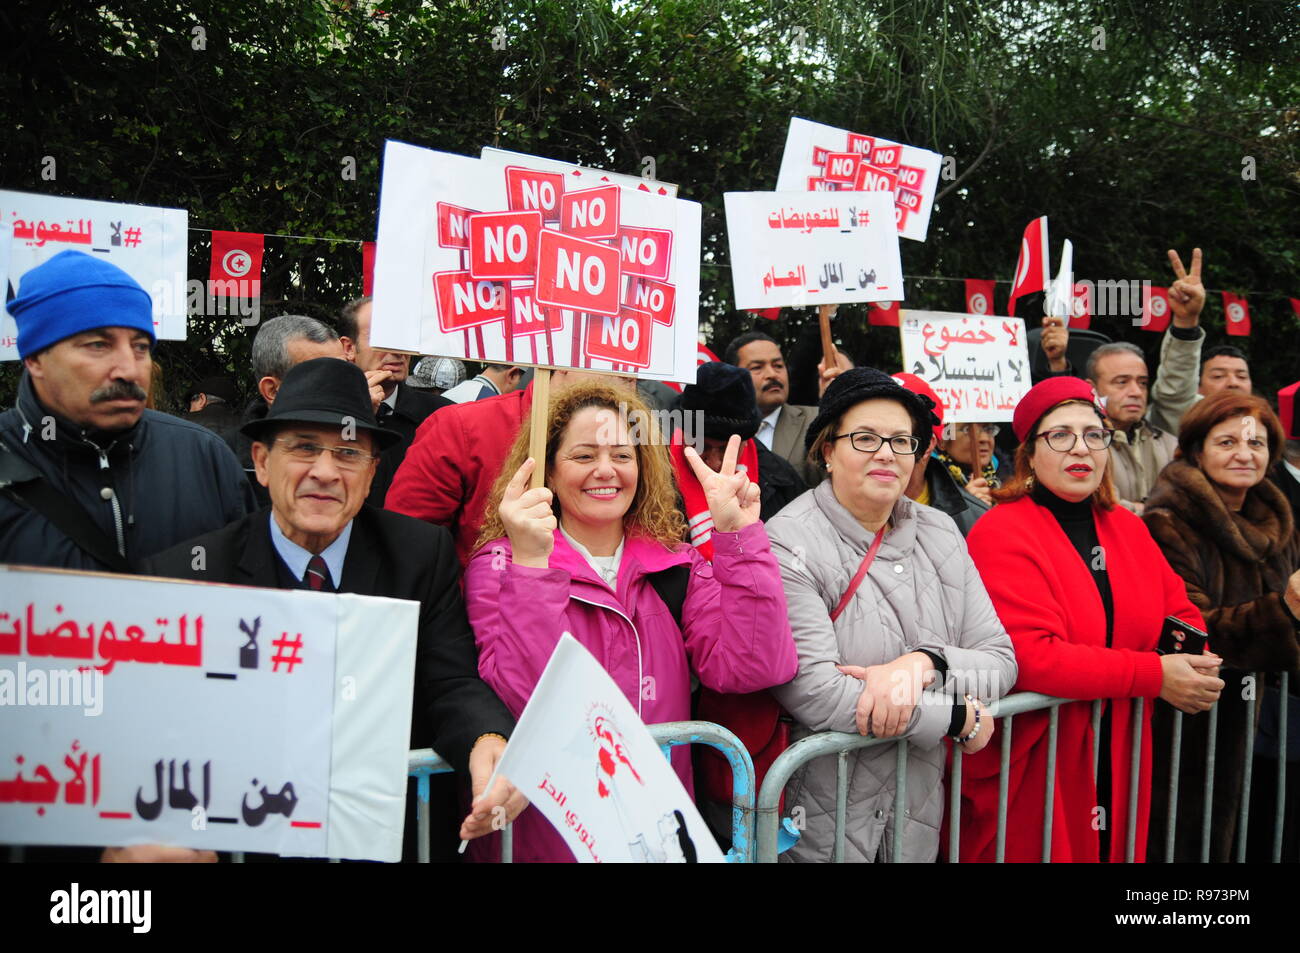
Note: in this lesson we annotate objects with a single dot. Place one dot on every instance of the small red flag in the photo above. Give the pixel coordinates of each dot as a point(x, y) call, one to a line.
point(1295, 306)
point(1032, 264)
point(883, 314)
point(770, 313)
point(1155, 308)
point(1238, 314)
point(1081, 311)
point(702, 356)
point(979, 296)
point(237, 257)
point(367, 268)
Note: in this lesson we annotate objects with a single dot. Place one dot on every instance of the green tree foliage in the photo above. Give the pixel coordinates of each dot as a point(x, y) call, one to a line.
point(1129, 124)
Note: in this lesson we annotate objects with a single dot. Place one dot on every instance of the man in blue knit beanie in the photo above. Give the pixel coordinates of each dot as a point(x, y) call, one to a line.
point(79, 433)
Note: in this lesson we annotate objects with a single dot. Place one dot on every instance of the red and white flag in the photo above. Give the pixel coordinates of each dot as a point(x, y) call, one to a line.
point(1155, 308)
point(702, 356)
point(1081, 311)
point(883, 314)
point(1237, 313)
point(770, 313)
point(237, 257)
point(979, 296)
point(1032, 271)
point(367, 268)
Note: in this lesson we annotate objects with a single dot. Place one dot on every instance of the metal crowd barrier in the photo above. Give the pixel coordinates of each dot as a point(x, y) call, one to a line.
point(842, 744)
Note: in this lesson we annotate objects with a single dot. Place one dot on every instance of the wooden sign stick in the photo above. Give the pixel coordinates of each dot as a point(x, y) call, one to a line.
point(538, 423)
point(829, 352)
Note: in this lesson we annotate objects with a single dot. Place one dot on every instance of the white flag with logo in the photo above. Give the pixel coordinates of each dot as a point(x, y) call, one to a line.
point(585, 760)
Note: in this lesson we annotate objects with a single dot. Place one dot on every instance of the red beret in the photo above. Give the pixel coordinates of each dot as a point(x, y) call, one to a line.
point(1045, 395)
point(917, 385)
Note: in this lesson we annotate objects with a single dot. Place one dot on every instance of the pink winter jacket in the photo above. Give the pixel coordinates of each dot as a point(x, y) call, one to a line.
point(737, 635)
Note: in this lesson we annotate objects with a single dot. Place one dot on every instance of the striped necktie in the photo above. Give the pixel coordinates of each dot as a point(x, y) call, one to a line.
point(317, 576)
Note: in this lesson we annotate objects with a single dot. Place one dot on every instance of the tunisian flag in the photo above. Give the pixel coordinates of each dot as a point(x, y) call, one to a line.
point(367, 268)
point(237, 257)
point(979, 296)
point(1032, 272)
point(1081, 309)
point(1155, 309)
point(702, 356)
point(883, 314)
point(1238, 315)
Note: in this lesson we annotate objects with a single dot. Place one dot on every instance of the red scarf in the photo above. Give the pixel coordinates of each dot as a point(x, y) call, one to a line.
point(698, 518)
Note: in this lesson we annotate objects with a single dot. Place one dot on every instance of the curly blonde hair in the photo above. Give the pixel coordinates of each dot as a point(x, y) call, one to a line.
point(653, 514)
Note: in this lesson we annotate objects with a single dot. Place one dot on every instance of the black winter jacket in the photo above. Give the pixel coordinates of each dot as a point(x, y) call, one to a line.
point(168, 480)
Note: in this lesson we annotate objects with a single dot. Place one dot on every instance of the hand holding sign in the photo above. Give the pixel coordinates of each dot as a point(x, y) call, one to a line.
point(528, 519)
point(1187, 294)
point(733, 499)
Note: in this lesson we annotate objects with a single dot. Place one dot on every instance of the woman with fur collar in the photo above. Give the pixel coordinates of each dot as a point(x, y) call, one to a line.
point(1230, 534)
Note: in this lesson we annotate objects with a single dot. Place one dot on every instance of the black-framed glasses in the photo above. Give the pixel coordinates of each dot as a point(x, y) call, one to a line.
point(1063, 441)
point(346, 458)
point(868, 442)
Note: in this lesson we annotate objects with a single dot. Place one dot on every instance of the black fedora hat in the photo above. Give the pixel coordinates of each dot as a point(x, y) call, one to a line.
point(326, 391)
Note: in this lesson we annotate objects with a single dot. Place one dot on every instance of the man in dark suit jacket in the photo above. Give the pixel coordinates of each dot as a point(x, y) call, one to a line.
point(403, 408)
point(317, 451)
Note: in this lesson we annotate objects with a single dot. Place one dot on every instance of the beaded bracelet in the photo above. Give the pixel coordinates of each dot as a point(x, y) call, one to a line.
point(974, 732)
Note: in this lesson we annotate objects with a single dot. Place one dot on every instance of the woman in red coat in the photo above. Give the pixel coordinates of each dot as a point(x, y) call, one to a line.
point(1083, 591)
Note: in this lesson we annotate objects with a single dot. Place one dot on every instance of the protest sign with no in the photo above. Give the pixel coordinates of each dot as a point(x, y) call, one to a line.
point(516, 260)
point(205, 716)
point(821, 158)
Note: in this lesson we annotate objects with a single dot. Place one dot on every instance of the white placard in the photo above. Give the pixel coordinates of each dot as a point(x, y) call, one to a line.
point(146, 242)
point(585, 760)
point(503, 261)
point(818, 157)
point(214, 717)
point(810, 248)
point(978, 365)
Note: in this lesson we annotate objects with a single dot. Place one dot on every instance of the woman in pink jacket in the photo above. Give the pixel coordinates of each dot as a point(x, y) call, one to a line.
point(584, 555)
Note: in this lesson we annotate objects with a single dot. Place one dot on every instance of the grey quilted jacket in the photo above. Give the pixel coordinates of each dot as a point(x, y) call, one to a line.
point(922, 592)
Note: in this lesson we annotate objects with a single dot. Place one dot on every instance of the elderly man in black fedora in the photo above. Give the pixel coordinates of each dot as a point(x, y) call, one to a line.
point(316, 451)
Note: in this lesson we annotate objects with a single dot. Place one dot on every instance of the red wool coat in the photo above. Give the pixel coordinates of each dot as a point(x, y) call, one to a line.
point(1045, 596)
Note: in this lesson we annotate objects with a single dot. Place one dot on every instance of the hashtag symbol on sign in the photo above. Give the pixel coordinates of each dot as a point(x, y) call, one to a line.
point(132, 237)
point(291, 658)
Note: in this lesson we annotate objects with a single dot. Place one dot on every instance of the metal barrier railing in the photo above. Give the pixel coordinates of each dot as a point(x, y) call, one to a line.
point(841, 744)
point(670, 734)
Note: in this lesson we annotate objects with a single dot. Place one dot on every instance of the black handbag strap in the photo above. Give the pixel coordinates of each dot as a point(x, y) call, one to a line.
point(23, 484)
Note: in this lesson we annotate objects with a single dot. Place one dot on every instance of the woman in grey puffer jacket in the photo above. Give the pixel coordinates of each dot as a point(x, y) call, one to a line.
point(917, 650)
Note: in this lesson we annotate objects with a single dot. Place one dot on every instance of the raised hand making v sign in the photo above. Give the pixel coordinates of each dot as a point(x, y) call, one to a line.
point(733, 499)
point(1187, 294)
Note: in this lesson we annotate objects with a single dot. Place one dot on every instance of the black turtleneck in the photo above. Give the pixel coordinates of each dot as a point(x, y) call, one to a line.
point(1080, 527)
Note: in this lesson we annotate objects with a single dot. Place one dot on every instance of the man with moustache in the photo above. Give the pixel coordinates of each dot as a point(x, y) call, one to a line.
point(90, 479)
point(783, 425)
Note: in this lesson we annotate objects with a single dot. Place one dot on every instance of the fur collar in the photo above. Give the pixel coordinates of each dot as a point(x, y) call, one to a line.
point(1264, 525)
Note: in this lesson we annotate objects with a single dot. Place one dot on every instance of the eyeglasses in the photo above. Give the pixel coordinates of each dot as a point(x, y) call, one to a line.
point(1063, 441)
point(991, 429)
point(346, 458)
point(868, 442)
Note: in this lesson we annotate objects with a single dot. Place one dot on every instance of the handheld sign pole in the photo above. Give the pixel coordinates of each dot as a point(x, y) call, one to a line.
point(824, 314)
point(538, 423)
